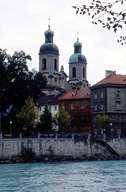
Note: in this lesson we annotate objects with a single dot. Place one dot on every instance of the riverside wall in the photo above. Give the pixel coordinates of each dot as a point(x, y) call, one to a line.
point(59, 147)
point(119, 145)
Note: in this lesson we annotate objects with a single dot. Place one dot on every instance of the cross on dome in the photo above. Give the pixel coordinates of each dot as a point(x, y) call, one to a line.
point(49, 23)
point(77, 36)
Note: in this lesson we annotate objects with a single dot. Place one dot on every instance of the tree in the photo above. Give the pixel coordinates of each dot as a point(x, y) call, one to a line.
point(103, 120)
point(46, 120)
point(80, 122)
point(17, 83)
point(28, 113)
point(63, 120)
point(111, 15)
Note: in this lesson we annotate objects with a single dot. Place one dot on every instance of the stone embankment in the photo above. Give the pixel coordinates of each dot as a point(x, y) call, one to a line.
point(60, 149)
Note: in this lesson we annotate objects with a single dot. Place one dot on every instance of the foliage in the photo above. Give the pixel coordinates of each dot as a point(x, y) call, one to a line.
point(80, 122)
point(111, 15)
point(103, 120)
point(63, 120)
point(28, 113)
point(17, 83)
point(46, 120)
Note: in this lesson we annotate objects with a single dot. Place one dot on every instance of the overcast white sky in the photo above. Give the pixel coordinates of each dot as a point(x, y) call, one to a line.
point(22, 26)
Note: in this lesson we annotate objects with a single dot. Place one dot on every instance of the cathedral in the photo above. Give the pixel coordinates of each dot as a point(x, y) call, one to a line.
point(49, 66)
point(68, 91)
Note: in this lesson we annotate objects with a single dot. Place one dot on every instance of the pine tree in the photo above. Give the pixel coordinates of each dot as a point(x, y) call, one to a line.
point(45, 124)
point(28, 113)
point(63, 119)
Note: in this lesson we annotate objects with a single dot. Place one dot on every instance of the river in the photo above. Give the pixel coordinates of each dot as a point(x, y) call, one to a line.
point(86, 176)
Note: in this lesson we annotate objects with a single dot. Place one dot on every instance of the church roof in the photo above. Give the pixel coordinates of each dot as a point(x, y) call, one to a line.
point(82, 93)
point(47, 100)
point(77, 58)
point(49, 48)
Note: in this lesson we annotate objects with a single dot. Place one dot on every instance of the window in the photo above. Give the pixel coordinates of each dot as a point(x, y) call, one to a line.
point(118, 105)
point(72, 106)
point(118, 95)
point(44, 64)
point(95, 96)
point(101, 107)
point(102, 95)
point(95, 107)
point(55, 107)
point(55, 64)
point(74, 72)
point(83, 72)
point(49, 108)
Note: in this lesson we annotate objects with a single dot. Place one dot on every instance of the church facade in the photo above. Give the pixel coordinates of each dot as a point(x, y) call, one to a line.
point(58, 83)
point(49, 65)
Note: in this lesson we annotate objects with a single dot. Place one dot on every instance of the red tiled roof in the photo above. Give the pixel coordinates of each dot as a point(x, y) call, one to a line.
point(82, 93)
point(113, 79)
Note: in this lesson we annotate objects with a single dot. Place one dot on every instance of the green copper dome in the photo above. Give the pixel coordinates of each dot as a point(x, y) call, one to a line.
point(77, 58)
point(77, 44)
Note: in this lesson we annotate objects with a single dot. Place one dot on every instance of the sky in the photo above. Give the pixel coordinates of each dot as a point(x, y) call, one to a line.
point(22, 27)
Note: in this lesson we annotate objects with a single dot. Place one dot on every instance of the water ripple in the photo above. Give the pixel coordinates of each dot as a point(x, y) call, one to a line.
point(93, 176)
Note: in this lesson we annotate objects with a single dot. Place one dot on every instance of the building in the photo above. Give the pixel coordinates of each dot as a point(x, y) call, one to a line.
point(76, 99)
point(49, 64)
point(49, 101)
point(109, 97)
point(77, 66)
point(77, 103)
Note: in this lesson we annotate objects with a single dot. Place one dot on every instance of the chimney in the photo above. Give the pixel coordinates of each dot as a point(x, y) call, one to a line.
point(109, 72)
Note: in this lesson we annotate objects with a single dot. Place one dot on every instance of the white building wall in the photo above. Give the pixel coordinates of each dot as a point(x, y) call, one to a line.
point(52, 108)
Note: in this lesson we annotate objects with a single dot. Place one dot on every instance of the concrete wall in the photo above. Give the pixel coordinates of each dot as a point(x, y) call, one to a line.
point(50, 146)
point(119, 145)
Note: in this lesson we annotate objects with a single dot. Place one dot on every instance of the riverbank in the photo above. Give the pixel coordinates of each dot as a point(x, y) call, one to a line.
point(54, 159)
point(56, 149)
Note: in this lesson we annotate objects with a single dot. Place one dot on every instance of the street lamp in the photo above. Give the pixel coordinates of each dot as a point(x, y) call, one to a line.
point(11, 127)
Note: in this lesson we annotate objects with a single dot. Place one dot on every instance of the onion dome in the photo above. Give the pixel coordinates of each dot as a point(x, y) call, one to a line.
point(49, 47)
point(77, 57)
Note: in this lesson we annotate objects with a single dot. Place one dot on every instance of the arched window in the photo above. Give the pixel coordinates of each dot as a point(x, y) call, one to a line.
point(55, 64)
point(83, 72)
point(74, 72)
point(44, 64)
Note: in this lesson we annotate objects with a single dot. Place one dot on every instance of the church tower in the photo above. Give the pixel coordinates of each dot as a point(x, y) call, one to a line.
point(77, 66)
point(49, 62)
